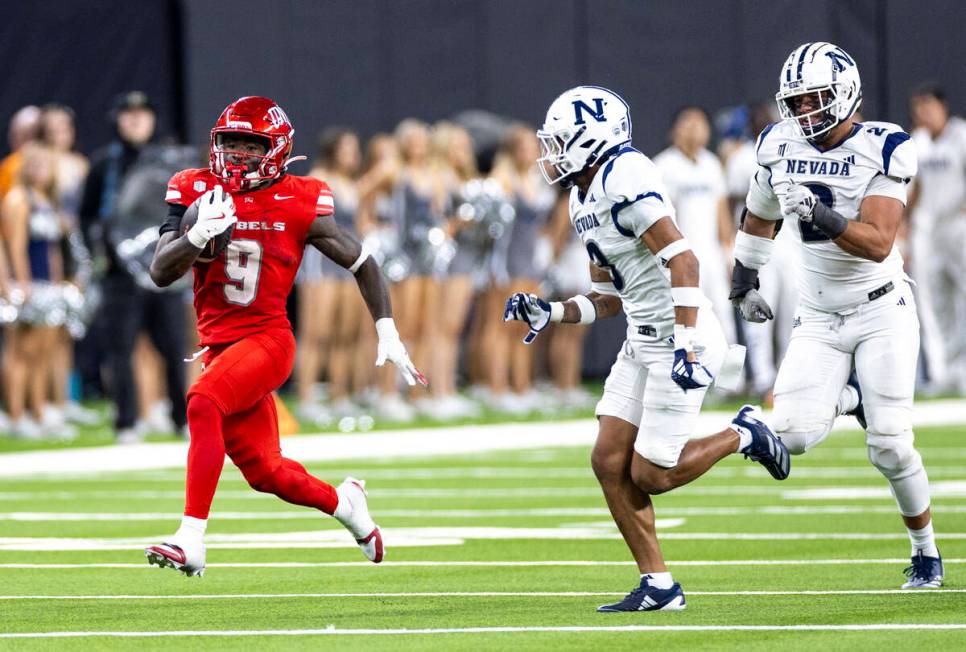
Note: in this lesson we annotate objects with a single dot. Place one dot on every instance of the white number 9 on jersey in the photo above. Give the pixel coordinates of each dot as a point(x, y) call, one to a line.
point(243, 265)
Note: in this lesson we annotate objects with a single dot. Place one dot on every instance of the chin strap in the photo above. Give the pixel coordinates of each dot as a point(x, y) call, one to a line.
point(293, 159)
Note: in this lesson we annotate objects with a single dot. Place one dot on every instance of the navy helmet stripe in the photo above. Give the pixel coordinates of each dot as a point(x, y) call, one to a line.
point(618, 207)
point(892, 141)
point(573, 138)
point(801, 61)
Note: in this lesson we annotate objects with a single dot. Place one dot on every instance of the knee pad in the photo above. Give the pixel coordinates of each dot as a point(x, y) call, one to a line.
point(889, 421)
point(800, 431)
point(201, 408)
point(894, 455)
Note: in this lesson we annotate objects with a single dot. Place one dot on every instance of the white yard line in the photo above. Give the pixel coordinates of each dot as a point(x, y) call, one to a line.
point(576, 629)
point(461, 440)
point(438, 536)
point(940, 489)
point(311, 515)
point(462, 594)
point(487, 563)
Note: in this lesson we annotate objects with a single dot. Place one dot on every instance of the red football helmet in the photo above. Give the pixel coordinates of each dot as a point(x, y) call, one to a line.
point(256, 116)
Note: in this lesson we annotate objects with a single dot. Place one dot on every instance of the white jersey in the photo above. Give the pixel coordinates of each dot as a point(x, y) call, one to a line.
point(697, 188)
point(942, 170)
point(625, 198)
point(877, 158)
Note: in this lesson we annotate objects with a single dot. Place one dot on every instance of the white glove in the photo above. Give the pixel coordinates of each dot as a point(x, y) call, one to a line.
point(216, 213)
point(798, 201)
point(392, 349)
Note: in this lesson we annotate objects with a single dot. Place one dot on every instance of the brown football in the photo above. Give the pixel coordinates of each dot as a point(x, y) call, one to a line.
point(216, 245)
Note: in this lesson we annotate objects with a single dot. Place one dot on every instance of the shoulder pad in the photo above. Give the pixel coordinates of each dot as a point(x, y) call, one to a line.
point(627, 174)
point(186, 186)
point(892, 149)
point(766, 147)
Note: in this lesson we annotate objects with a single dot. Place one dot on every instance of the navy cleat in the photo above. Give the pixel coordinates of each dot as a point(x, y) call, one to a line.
point(648, 598)
point(765, 448)
point(858, 411)
point(925, 572)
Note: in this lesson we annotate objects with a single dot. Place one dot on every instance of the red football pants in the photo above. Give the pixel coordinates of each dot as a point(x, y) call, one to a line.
point(231, 409)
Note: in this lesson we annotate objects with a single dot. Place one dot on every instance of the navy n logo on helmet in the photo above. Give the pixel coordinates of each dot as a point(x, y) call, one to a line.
point(597, 113)
point(839, 59)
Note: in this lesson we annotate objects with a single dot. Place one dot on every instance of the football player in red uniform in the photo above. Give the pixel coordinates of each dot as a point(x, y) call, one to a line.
point(247, 340)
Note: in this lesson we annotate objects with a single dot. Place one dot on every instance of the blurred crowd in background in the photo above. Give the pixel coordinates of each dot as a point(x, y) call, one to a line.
point(459, 218)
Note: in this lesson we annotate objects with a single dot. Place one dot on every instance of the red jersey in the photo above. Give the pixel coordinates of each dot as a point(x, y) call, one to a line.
point(244, 290)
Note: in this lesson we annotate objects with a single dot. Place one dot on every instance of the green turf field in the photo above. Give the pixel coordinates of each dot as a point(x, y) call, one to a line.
point(515, 540)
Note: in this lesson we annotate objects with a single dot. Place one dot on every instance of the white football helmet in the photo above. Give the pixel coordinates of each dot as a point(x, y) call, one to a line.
point(827, 71)
point(583, 126)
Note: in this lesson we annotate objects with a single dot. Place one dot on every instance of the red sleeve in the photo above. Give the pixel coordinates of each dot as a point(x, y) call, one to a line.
point(325, 202)
point(186, 186)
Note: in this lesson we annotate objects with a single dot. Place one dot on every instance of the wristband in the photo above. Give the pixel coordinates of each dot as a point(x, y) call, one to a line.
point(687, 297)
point(828, 221)
point(556, 311)
point(588, 313)
point(196, 239)
point(683, 337)
point(386, 329)
point(743, 280)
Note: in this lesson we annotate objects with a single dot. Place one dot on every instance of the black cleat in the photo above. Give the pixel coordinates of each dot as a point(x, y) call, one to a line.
point(765, 448)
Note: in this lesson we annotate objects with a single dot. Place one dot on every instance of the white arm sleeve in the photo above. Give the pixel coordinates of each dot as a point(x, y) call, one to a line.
point(886, 187)
point(761, 199)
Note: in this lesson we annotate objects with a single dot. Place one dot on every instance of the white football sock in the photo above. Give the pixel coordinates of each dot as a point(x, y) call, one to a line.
point(192, 528)
point(744, 439)
point(924, 540)
point(659, 580)
point(848, 400)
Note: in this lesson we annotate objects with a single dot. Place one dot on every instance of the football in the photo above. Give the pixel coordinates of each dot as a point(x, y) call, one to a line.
point(216, 245)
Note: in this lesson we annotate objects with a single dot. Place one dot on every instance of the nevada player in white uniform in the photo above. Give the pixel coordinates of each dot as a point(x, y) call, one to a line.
point(840, 186)
point(641, 263)
point(939, 236)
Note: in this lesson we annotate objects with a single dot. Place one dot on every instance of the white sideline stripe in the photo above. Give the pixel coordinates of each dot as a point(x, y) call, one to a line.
point(432, 564)
point(332, 631)
point(940, 489)
point(308, 515)
point(437, 536)
point(463, 594)
point(458, 440)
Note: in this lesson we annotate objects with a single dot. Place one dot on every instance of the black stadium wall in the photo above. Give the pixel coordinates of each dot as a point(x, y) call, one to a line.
point(369, 63)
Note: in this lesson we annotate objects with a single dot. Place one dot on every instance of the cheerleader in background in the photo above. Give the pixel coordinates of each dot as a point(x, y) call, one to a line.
point(455, 162)
point(525, 253)
point(57, 131)
point(332, 341)
point(33, 228)
point(380, 228)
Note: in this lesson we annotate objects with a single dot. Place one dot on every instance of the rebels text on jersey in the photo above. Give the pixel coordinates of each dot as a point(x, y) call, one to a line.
point(244, 290)
point(876, 158)
point(626, 197)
